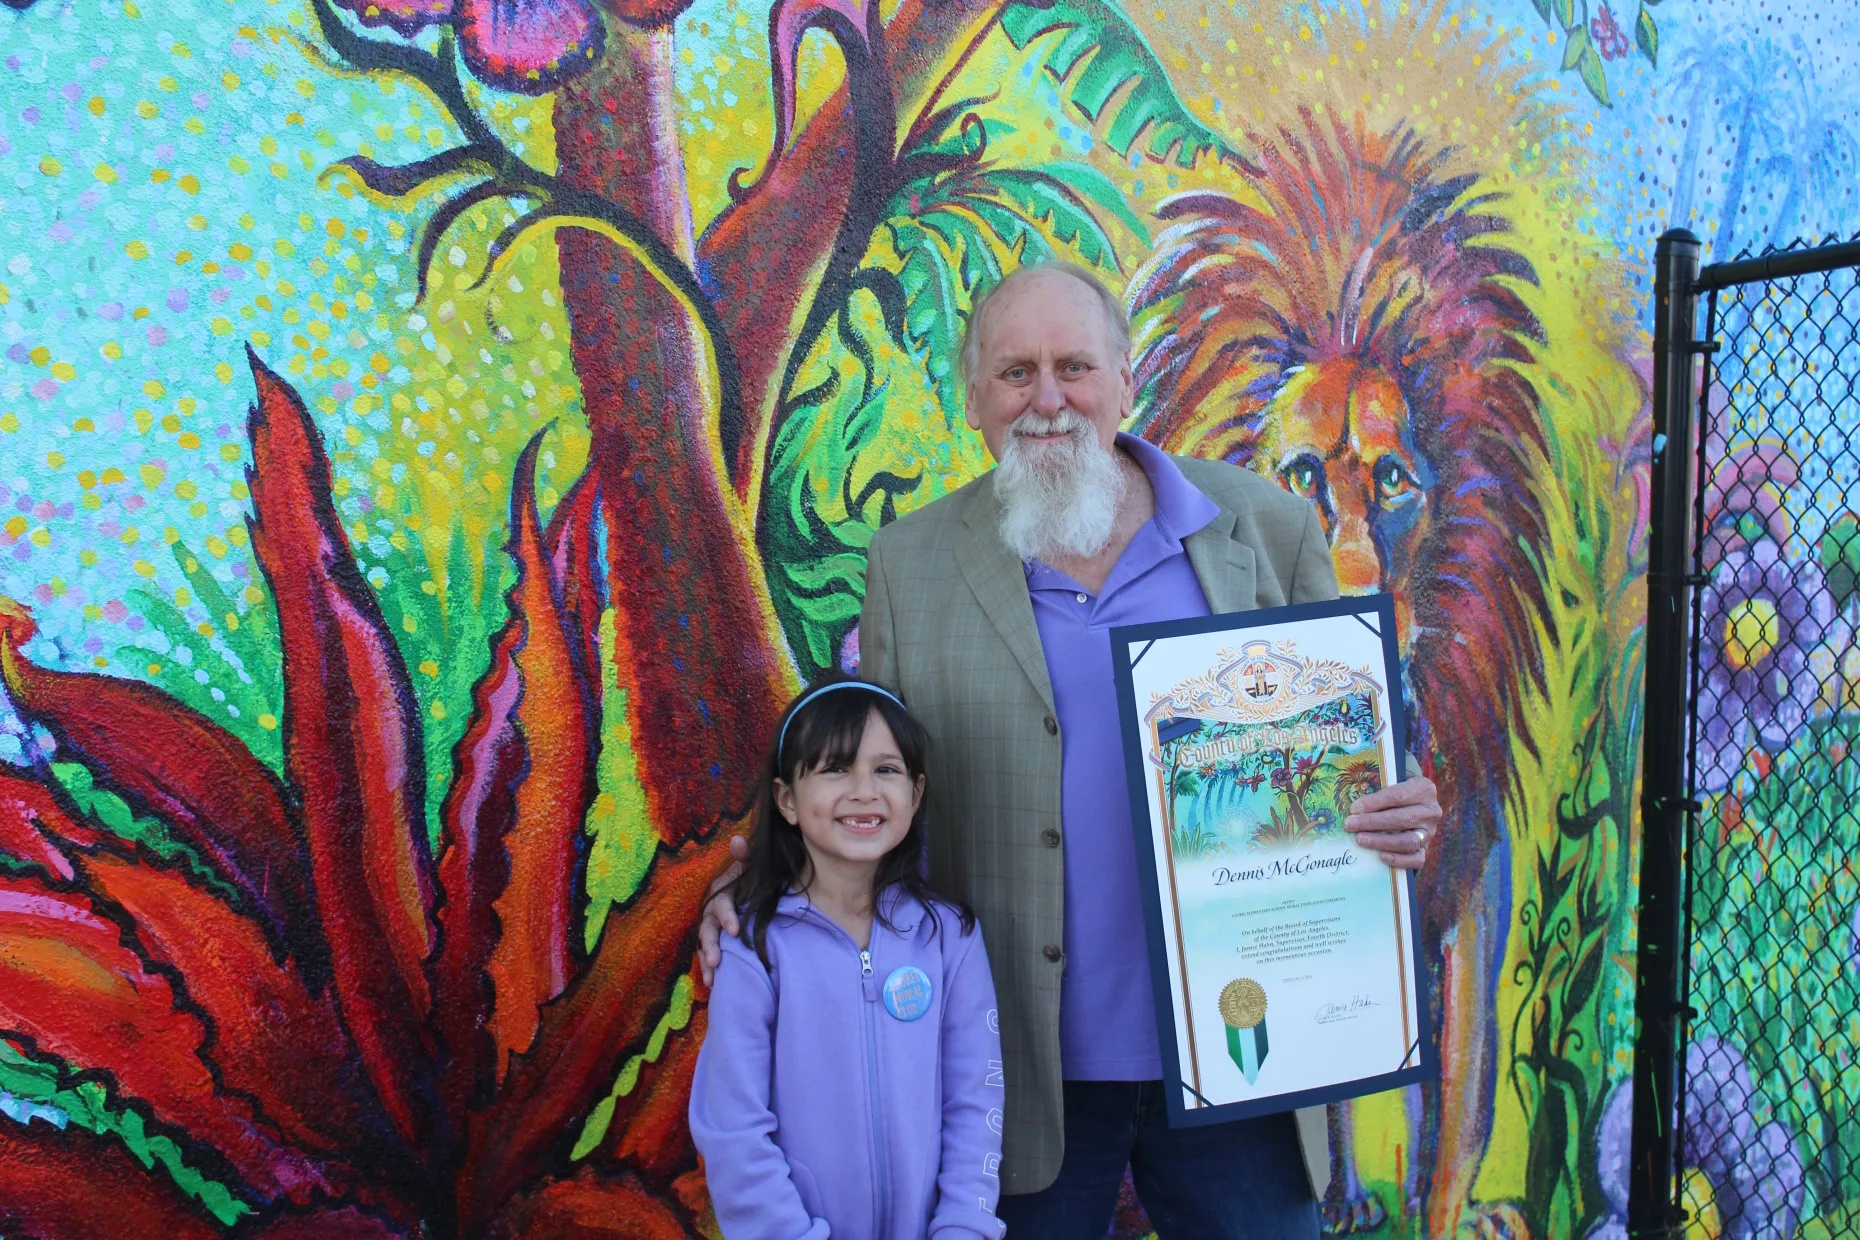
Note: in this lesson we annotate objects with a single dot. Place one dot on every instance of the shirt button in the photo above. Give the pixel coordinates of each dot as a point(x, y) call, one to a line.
point(1052, 726)
point(1051, 952)
point(1082, 598)
point(1050, 838)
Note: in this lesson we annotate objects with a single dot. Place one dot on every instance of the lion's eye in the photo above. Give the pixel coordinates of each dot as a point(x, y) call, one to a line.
point(1303, 477)
point(1392, 481)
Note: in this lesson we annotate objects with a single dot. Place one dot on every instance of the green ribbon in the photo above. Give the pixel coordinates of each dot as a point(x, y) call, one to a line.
point(1248, 1049)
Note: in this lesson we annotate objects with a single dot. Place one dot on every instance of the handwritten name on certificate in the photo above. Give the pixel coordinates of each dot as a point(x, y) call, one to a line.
point(1282, 953)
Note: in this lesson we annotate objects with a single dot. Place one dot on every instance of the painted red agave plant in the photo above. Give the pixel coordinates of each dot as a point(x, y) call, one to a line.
point(359, 1039)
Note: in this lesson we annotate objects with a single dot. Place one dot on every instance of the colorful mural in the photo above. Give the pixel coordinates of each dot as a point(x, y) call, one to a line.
point(436, 436)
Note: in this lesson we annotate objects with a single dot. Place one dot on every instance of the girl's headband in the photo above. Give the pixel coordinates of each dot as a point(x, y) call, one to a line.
point(781, 742)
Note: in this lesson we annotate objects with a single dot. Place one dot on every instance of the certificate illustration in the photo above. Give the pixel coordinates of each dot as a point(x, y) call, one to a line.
point(1282, 954)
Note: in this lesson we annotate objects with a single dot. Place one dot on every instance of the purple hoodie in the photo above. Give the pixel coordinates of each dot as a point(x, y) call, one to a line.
point(821, 1113)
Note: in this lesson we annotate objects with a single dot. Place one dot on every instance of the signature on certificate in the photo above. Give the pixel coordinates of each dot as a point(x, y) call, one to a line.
point(1349, 1009)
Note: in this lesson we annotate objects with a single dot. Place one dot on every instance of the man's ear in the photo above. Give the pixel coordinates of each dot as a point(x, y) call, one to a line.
point(968, 406)
point(785, 803)
point(1128, 406)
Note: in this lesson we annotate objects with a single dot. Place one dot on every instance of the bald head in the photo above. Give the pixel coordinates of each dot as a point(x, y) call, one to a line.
point(1067, 281)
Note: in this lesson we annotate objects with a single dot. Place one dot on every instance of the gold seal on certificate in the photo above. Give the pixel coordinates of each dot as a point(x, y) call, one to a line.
point(1247, 737)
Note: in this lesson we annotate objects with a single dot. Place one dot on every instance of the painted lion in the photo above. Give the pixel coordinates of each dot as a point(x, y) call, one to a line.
point(1350, 324)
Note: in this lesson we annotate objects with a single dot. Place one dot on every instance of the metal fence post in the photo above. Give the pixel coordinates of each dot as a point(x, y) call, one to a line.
point(1652, 1210)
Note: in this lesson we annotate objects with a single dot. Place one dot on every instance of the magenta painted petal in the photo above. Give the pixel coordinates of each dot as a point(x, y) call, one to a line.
point(527, 45)
point(403, 16)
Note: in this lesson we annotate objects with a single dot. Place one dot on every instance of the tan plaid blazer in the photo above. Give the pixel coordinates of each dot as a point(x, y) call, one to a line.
point(948, 624)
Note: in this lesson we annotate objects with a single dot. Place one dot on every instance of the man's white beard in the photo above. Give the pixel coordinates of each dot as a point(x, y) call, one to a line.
point(1057, 498)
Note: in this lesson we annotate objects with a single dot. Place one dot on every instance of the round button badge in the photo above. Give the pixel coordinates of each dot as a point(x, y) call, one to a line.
point(907, 992)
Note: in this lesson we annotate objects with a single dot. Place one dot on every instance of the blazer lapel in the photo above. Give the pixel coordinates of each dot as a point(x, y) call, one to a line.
point(999, 582)
point(1223, 564)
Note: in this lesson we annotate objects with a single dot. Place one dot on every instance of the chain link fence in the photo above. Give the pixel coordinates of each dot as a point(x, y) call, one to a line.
point(1766, 1028)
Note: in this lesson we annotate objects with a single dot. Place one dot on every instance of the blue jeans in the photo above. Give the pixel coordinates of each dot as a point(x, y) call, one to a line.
point(1244, 1180)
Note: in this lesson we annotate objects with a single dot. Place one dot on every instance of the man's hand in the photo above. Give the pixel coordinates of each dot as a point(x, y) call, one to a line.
point(720, 913)
point(1396, 822)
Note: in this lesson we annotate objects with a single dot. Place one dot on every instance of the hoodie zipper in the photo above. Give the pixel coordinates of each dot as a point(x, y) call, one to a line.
point(881, 1177)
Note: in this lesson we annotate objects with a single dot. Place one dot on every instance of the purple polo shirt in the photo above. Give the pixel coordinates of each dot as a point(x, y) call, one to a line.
point(1107, 1012)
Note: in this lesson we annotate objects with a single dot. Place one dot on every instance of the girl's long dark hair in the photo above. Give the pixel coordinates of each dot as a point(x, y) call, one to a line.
point(827, 731)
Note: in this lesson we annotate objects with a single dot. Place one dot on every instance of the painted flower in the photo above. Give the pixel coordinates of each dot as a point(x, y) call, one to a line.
point(1606, 33)
point(1761, 618)
point(527, 46)
point(360, 1037)
point(1747, 1174)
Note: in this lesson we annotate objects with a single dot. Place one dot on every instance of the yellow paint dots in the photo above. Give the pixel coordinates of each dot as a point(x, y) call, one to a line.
point(144, 569)
point(221, 326)
point(268, 721)
point(229, 452)
point(41, 537)
point(137, 250)
point(161, 176)
point(154, 389)
point(307, 89)
point(171, 424)
point(16, 527)
point(111, 350)
point(186, 490)
point(190, 183)
point(216, 546)
point(183, 598)
point(40, 356)
point(254, 595)
point(239, 165)
point(439, 710)
point(223, 372)
point(64, 372)
point(50, 167)
point(97, 106)
point(188, 441)
point(168, 84)
point(9, 422)
point(229, 80)
point(183, 257)
point(147, 110)
point(429, 668)
point(54, 460)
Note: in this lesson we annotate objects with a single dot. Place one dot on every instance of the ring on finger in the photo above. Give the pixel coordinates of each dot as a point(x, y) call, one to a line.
point(1420, 837)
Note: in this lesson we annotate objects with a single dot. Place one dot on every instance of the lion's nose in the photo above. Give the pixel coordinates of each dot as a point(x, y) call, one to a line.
point(1353, 555)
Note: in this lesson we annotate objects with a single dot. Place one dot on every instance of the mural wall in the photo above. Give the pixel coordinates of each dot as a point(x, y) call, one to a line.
point(436, 436)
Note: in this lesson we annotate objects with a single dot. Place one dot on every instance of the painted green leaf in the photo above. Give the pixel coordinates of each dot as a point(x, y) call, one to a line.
point(1594, 76)
point(1647, 37)
point(1576, 46)
point(1097, 55)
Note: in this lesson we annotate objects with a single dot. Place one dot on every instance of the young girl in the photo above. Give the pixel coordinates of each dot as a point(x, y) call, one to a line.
point(850, 1082)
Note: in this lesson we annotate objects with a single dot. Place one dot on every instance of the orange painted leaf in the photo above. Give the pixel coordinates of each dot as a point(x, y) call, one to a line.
point(71, 989)
point(650, 1129)
point(593, 1207)
point(352, 749)
point(75, 1185)
point(537, 911)
point(606, 1014)
point(513, 817)
point(175, 764)
point(274, 1042)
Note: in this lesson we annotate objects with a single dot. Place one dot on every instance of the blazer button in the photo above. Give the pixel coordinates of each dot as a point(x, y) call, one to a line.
point(1052, 726)
point(1051, 952)
point(1050, 838)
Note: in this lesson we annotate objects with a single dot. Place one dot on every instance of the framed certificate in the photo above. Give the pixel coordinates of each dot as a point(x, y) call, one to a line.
point(1283, 955)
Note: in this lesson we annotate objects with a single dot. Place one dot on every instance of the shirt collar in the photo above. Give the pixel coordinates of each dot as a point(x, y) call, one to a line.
point(1181, 508)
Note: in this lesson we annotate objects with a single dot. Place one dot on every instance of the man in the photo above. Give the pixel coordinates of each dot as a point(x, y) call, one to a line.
point(990, 612)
